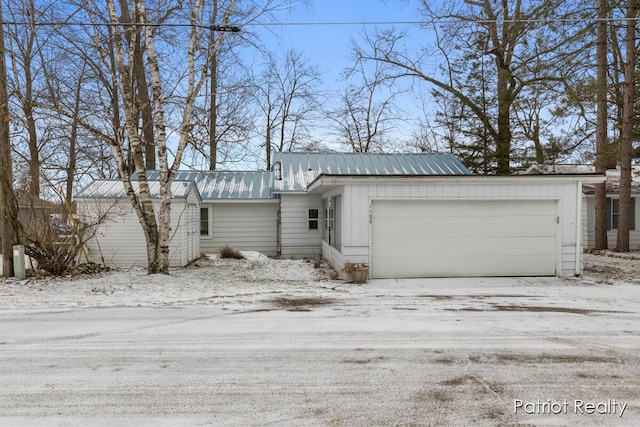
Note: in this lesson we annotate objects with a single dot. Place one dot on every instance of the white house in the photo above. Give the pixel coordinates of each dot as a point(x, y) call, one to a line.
point(119, 240)
point(612, 204)
point(406, 215)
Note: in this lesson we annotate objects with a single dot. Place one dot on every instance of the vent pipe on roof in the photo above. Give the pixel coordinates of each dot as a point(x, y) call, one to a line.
point(277, 166)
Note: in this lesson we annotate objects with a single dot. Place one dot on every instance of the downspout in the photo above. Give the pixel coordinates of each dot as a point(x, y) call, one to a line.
point(578, 267)
point(279, 228)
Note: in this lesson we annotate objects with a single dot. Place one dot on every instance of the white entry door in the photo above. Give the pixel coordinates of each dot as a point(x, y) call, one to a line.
point(441, 238)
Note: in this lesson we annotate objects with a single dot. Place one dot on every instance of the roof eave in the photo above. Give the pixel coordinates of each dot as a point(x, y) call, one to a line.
point(329, 180)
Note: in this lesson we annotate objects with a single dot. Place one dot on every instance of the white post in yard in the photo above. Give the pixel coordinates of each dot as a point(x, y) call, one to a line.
point(18, 262)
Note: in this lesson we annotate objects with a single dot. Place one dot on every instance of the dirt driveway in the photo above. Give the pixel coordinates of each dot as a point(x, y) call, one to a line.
point(287, 345)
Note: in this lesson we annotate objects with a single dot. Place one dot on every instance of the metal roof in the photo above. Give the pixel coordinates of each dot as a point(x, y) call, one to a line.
point(114, 189)
point(293, 172)
point(298, 170)
point(227, 184)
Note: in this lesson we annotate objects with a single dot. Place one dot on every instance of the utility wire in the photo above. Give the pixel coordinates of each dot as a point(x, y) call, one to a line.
point(222, 28)
point(235, 29)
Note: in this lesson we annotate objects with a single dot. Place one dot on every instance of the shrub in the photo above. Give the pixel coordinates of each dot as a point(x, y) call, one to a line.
point(228, 252)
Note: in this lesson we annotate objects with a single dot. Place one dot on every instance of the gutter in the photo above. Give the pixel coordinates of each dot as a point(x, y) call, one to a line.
point(471, 179)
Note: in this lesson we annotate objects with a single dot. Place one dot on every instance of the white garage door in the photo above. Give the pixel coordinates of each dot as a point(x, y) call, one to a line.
point(440, 238)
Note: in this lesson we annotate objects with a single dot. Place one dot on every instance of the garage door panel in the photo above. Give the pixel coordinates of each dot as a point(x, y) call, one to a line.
point(482, 227)
point(466, 247)
point(462, 208)
point(477, 266)
point(422, 238)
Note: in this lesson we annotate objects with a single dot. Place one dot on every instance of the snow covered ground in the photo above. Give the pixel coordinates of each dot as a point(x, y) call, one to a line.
point(244, 282)
point(282, 342)
point(207, 282)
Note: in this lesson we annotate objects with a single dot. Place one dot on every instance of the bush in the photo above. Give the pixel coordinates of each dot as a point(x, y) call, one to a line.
point(228, 252)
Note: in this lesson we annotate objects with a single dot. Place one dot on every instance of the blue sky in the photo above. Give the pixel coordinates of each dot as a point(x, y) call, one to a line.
point(329, 46)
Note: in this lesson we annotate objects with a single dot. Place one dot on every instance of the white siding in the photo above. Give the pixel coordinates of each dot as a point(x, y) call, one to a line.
point(120, 242)
point(357, 200)
point(249, 226)
point(589, 236)
point(296, 239)
point(335, 258)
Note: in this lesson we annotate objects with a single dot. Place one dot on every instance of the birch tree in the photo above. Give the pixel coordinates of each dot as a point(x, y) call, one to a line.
point(125, 39)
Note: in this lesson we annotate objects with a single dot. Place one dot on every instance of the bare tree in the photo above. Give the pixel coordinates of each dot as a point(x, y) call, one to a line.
point(367, 111)
point(626, 143)
point(288, 97)
point(139, 80)
point(601, 127)
point(156, 229)
point(8, 205)
point(227, 97)
point(27, 64)
point(514, 38)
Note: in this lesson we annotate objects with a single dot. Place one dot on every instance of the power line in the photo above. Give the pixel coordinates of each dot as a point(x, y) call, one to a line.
point(438, 21)
point(235, 29)
point(221, 28)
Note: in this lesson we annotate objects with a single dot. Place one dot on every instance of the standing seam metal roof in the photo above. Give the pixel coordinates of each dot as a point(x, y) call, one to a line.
point(227, 184)
point(114, 189)
point(298, 170)
point(293, 172)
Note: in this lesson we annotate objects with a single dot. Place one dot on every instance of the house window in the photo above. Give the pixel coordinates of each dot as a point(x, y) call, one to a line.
point(314, 218)
point(328, 224)
point(204, 221)
point(613, 213)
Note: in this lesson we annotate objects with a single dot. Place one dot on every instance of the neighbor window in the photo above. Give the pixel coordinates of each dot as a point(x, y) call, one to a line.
point(314, 218)
point(613, 213)
point(204, 221)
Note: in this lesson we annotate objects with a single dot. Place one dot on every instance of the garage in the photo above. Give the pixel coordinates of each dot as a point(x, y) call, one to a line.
point(442, 238)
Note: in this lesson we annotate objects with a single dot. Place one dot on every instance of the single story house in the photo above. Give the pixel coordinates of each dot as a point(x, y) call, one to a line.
point(612, 185)
point(406, 215)
point(119, 240)
point(238, 209)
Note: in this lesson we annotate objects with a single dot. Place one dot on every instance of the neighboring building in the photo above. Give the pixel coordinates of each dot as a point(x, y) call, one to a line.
point(119, 240)
point(406, 215)
point(612, 204)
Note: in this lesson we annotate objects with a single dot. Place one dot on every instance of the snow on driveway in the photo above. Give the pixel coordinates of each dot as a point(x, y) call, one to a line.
point(281, 342)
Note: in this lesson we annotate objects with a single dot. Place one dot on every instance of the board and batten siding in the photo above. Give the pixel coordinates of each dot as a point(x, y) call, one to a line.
point(589, 236)
point(297, 240)
point(119, 241)
point(244, 226)
point(357, 200)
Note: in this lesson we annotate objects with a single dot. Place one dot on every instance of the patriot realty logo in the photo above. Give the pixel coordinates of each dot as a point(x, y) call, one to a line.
point(542, 407)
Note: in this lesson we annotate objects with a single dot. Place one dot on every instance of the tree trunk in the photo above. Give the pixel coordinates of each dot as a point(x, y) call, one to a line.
point(142, 91)
point(601, 128)
point(8, 205)
point(213, 111)
point(503, 140)
point(626, 140)
point(71, 164)
point(34, 151)
point(267, 142)
point(147, 113)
